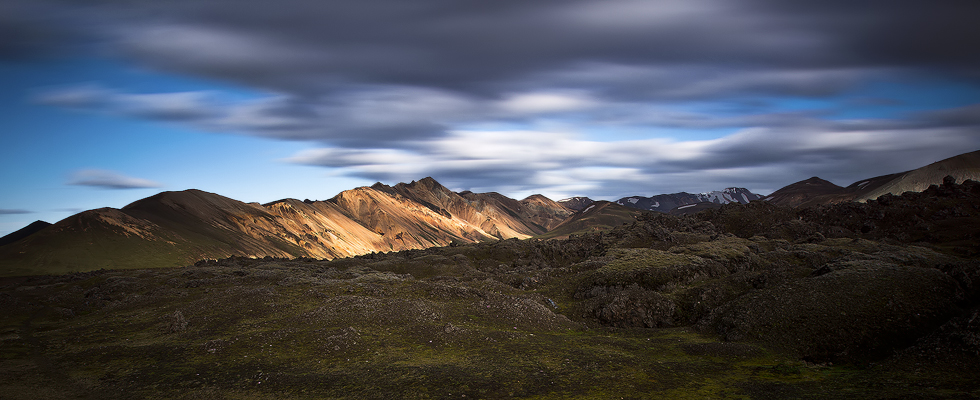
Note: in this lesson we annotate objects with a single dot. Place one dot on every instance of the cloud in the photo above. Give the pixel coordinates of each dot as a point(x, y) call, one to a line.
point(561, 163)
point(175, 106)
point(961, 116)
point(595, 95)
point(307, 47)
point(5, 211)
point(179, 106)
point(545, 102)
point(82, 96)
point(108, 180)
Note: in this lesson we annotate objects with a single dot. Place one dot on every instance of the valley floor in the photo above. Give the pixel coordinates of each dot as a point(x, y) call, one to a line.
point(271, 330)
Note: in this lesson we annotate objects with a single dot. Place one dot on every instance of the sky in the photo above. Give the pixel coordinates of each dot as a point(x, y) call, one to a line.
point(104, 102)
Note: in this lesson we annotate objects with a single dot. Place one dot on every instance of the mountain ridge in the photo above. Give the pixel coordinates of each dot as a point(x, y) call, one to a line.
point(666, 202)
point(816, 191)
point(175, 228)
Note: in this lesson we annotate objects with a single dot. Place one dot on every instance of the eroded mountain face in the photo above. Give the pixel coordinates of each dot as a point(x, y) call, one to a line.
point(179, 228)
point(576, 203)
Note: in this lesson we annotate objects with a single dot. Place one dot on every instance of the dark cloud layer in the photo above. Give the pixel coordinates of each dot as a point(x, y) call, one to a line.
point(391, 89)
point(310, 46)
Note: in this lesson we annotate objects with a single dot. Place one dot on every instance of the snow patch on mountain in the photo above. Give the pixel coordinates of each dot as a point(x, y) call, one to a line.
point(665, 202)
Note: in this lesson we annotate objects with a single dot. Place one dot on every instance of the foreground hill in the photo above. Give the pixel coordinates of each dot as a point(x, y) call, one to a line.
point(179, 228)
point(875, 300)
point(816, 191)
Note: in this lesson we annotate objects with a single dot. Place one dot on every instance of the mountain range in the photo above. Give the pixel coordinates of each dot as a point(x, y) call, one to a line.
point(665, 203)
point(180, 228)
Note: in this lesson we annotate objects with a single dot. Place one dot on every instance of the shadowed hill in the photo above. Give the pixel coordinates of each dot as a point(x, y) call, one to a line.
point(962, 167)
point(24, 232)
point(816, 191)
point(600, 216)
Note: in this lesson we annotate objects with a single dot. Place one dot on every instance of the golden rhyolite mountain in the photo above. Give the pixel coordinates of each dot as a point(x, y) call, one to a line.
point(179, 228)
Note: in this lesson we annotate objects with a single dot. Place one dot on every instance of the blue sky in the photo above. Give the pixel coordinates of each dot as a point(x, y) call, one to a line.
point(104, 103)
point(46, 146)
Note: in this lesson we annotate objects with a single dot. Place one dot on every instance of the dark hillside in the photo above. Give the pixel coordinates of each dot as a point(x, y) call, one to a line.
point(599, 216)
point(945, 217)
point(24, 232)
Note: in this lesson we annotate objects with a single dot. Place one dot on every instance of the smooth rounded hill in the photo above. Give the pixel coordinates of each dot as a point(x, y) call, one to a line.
point(962, 167)
point(813, 190)
point(816, 191)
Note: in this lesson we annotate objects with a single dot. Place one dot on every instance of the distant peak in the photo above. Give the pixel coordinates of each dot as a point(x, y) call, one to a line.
point(538, 197)
point(427, 183)
point(816, 181)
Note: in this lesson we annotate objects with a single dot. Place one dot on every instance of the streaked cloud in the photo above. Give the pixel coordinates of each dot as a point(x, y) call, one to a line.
point(7, 211)
point(104, 179)
point(560, 163)
point(608, 97)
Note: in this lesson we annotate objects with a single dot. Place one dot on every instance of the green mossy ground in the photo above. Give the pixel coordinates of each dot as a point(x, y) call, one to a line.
point(316, 329)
